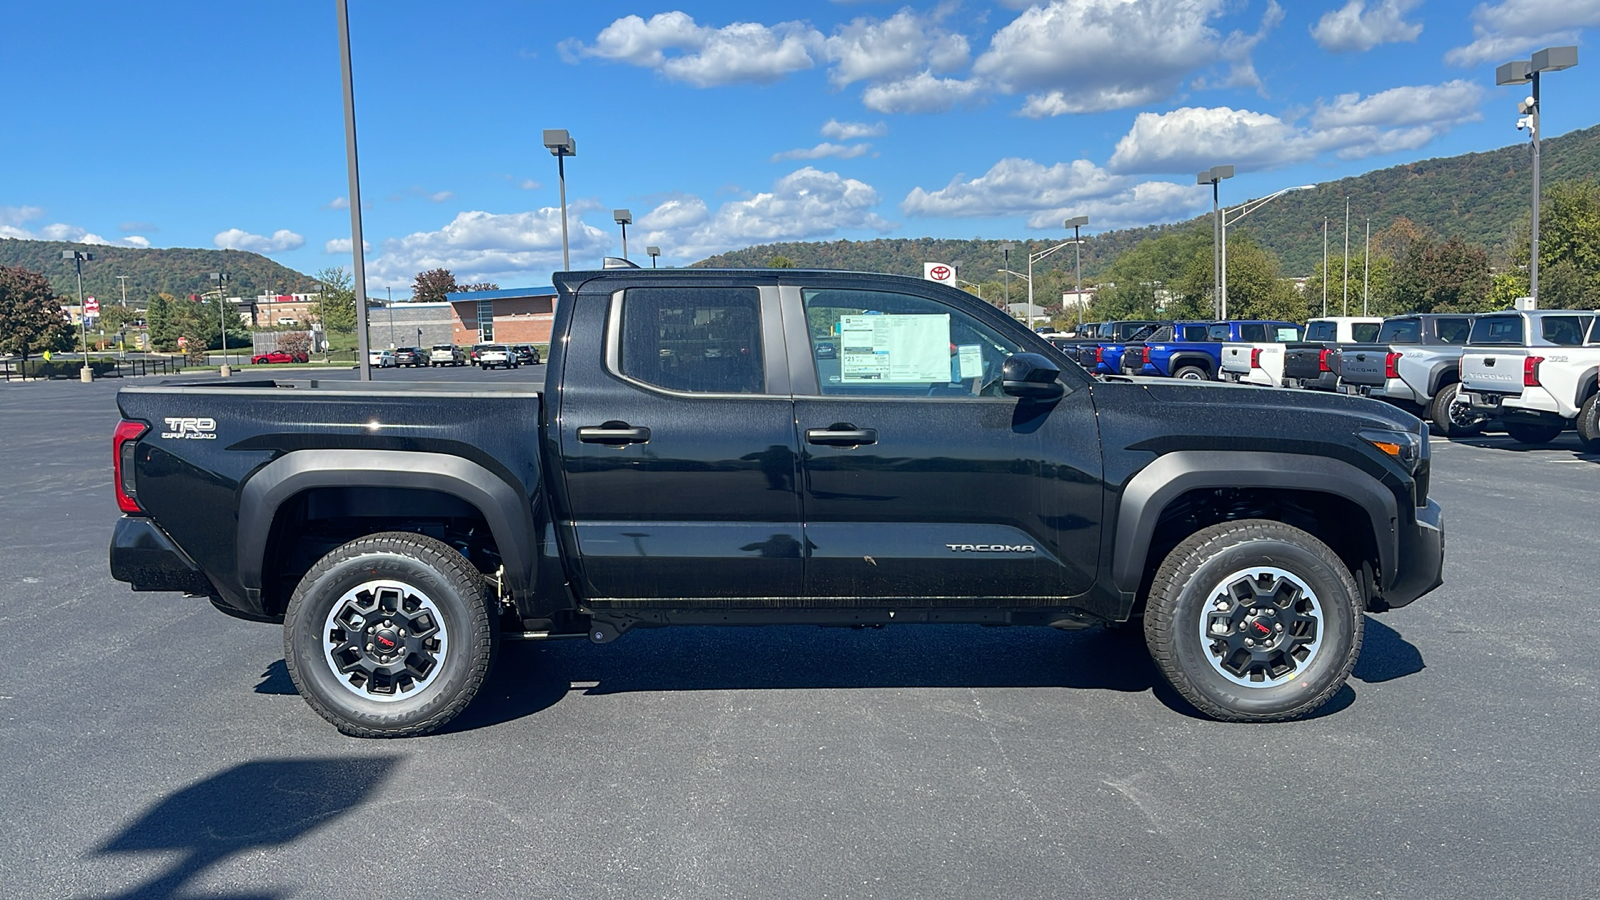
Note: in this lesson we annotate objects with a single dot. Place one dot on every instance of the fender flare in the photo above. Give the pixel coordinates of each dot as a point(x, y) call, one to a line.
point(503, 507)
point(1436, 376)
point(1149, 493)
point(1190, 358)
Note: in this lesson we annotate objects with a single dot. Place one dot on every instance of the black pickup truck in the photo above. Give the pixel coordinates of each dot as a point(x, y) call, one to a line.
point(775, 447)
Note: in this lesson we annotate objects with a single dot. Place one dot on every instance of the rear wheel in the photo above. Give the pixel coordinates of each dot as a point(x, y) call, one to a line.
point(1192, 373)
point(390, 635)
point(1254, 621)
point(1451, 414)
point(1533, 434)
point(1589, 424)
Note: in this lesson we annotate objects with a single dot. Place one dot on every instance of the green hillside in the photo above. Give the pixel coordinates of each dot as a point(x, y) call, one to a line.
point(1478, 197)
point(179, 271)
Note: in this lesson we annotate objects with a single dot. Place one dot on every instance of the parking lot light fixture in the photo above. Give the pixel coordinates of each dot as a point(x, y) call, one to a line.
point(624, 218)
point(78, 258)
point(1076, 223)
point(1005, 251)
point(654, 252)
point(221, 279)
point(1526, 71)
point(1231, 216)
point(561, 145)
point(1214, 176)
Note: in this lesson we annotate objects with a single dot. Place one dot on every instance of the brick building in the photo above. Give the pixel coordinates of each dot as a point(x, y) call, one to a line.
point(511, 316)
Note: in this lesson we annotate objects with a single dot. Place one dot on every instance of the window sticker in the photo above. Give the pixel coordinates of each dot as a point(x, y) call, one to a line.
point(971, 356)
point(891, 348)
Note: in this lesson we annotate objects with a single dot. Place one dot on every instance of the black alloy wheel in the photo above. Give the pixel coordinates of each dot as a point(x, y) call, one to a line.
point(1452, 415)
point(390, 635)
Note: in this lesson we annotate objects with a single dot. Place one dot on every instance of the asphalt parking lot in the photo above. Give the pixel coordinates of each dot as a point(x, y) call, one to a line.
point(152, 747)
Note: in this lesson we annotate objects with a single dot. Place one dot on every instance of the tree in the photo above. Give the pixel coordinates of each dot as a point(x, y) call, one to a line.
point(432, 285)
point(478, 286)
point(1569, 250)
point(780, 262)
point(30, 314)
point(336, 304)
point(296, 343)
point(163, 328)
point(1255, 290)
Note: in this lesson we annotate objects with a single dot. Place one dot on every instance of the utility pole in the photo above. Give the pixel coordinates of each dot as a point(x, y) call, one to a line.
point(1324, 267)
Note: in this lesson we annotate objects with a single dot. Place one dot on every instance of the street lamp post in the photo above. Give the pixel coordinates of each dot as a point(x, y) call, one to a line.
point(624, 218)
point(358, 244)
point(1077, 253)
point(1237, 213)
point(561, 145)
point(1213, 176)
point(1008, 274)
point(1550, 59)
point(1005, 251)
point(221, 279)
point(654, 252)
point(78, 258)
point(1036, 257)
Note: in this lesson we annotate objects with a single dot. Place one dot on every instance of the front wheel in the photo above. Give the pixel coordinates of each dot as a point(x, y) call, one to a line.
point(1451, 414)
point(1533, 434)
point(390, 635)
point(1254, 621)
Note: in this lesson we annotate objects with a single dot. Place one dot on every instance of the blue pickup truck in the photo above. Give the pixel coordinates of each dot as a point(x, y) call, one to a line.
point(1191, 350)
point(1102, 352)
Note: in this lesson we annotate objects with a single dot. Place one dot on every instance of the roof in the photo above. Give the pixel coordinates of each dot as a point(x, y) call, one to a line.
point(505, 294)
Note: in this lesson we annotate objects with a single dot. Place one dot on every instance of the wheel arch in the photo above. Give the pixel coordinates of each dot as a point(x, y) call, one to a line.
point(1174, 476)
point(1199, 360)
point(1442, 374)
point(274, 487)
point(1588, 385)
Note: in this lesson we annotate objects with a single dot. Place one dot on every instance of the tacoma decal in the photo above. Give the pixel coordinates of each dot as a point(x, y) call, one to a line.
point(992, 548)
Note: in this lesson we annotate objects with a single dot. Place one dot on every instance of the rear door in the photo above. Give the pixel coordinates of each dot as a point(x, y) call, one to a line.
point(922, 480)
point(678, 447)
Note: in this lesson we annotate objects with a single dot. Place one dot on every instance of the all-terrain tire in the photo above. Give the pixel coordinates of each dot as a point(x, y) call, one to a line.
point(1589, 423)
point(408, 580)
point(1210, 576)
point(1192, 373)
point(1450, 419)
point(1524, 433)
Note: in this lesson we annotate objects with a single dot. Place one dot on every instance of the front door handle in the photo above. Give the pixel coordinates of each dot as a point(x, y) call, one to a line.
point(842, 436)
point(614, 433)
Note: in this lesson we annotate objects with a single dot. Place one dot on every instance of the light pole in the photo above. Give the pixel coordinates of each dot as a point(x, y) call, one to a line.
point(1346, 278)
point(1550, 59)
point(1237, 213)
point(358, 245)
point(654, 252)
point(1213, 176)
point(1036, 257)
point(221, 279)
point(1324, 267)
point(1077, 253)
point(1366, 269)
point(78, 258)
point(1005, 251)
point(389, 304)
point(1026, 278)
point(624, 218)
point(561, 145)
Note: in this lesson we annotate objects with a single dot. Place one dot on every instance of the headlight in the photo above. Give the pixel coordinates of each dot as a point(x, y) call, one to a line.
point(1409, 450)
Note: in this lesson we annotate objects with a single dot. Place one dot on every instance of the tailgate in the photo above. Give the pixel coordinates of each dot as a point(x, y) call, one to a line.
point(1498, 371)
point(1363, 365)
point(1236, 358)
point(1304, 361)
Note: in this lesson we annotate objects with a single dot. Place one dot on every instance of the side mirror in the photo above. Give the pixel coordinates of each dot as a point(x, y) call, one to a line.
point(1032, 376)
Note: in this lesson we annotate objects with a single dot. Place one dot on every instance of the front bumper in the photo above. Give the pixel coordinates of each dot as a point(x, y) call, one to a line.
point(1421, 560)
point(144, 556)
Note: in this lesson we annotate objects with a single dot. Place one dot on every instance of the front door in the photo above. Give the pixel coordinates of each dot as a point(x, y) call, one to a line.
point(922, 478)
point(678, 448)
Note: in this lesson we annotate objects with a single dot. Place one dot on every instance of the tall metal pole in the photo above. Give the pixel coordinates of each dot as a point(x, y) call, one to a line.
point(123, 280)
point(1216, 248)
point(222, 323)
point(1366, 269)
point(1077, 263)
point(1223, 281)
point(83, 317)
point(1346, 278)
point(1324, 266)
point(624, 239)
point(561, 176)
point(1029, 320)
point(1533, 258)
point(356, 244)
point(1006, 252)
point(390, 305)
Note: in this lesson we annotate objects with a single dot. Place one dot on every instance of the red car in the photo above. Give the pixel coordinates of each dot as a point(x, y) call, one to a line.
point(277, 356)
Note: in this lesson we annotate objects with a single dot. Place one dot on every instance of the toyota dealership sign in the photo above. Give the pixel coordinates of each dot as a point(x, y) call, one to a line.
point(940, 272)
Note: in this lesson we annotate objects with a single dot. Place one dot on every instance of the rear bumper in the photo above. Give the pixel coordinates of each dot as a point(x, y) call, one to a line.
point(1327, 381)
point(1398, 389)
point(1533, 402)
point(144, 556)
point(1421, 560)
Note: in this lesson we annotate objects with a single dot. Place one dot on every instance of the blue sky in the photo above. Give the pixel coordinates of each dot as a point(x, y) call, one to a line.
point(722, 125)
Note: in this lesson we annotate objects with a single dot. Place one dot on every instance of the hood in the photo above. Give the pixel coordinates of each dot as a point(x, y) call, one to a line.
point(1282, 405)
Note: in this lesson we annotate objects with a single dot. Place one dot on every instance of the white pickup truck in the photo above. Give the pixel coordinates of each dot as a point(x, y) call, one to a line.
point(1259, 361)
point(1536, 370)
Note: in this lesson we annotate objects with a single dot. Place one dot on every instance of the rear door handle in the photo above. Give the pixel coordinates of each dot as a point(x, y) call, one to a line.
point(615, 433)
point(842, 436)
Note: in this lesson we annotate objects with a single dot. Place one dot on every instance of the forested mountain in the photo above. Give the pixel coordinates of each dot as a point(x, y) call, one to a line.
point(179, 271)
point(1480, 198)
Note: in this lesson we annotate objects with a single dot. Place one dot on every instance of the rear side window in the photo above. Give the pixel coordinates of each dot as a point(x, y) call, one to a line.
point(1400, 331)
point(1453, 331)
point(1194, 332)
point(704, 340)
point(1566, 331)
point(1322, 331)
point(1497, 330)
point(1164, 333)
point(1363, 332)
point(1217, 333)
point(1594, 331)
point(1253, 333)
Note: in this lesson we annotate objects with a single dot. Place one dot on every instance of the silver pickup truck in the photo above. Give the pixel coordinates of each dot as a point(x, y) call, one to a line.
point(1415, 362)
point(1534, 369)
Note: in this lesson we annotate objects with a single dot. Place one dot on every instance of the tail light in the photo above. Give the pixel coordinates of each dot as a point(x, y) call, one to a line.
point(1530, 371)
point(1322, 359)
point(123, 442)
point(1255, 358)
point(1099, 355)
point(1391, 365)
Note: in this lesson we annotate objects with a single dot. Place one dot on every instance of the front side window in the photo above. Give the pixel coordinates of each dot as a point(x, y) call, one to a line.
point(702, 340)
point(1453, 331)
point(1253, 333)
point(877, 343)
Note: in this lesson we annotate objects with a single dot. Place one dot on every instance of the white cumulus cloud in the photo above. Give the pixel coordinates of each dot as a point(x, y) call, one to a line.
point(1048, 194)
point(1505, 30)
point(823, 151)
point(1356, 28)
point(850, 131)
point(868, 49)
point(506, 248)
point(344, 245)
point(673, 44)
point(337, 203)
point(921, 93)
point(239, 239)
point(803, 205)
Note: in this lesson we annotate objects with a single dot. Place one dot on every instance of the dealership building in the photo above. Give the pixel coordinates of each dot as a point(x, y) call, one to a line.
point(511, 316)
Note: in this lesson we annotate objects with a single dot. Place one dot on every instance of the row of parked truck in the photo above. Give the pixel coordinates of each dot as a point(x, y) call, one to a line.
point(1532, 370)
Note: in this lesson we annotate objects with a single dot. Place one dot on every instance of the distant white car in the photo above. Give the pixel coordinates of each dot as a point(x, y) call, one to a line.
point(497, 355)
point(383, 359)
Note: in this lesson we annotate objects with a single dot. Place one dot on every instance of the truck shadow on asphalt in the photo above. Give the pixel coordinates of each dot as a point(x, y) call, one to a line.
point(1568, 442)
point(529, 678)
point(258, 805)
